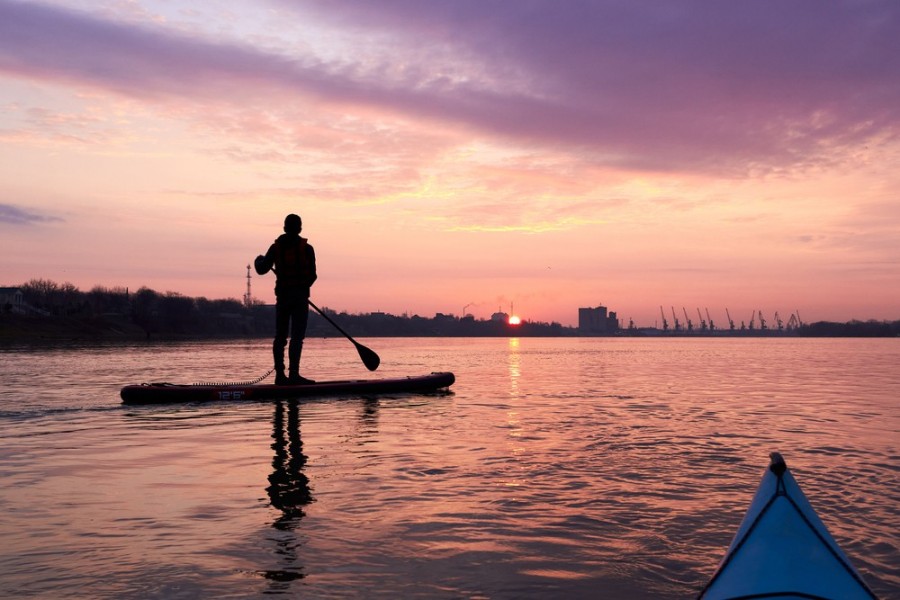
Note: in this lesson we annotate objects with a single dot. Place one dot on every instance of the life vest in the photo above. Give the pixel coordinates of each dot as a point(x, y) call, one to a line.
point(292, 264)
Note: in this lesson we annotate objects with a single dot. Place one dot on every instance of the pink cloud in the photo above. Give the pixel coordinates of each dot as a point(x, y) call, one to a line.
point(646, 85)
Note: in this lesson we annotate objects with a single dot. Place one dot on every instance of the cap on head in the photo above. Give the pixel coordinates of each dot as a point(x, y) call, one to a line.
point(292, 223)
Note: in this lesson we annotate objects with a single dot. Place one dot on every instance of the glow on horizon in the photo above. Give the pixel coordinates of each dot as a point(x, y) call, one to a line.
point(439, 166)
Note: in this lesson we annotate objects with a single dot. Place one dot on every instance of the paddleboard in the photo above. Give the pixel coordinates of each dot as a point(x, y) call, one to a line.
point(164, 393)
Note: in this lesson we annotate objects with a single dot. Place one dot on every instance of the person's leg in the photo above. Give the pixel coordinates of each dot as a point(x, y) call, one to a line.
point(299, 319)
point(282, 321)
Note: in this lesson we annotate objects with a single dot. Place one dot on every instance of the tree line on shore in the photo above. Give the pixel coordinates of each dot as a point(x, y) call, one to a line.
point(55, 310)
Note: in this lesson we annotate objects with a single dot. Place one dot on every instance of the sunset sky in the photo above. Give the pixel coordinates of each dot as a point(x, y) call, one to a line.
point(463, 153)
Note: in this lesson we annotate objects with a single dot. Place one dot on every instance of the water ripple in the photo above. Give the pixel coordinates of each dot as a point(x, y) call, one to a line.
point(556, 468)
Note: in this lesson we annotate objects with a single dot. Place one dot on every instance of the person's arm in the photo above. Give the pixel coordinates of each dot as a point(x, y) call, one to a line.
point(311, 255)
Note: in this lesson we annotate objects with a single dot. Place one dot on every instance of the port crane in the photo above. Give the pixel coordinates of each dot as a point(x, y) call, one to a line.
point(778, 322)
point(687, 319)
point(712, 326)
point(677, 323)
point(793, 322)
point(662, 313)
point(752, 321)
point(702, 321)
point(730, 322)
point(762, 321)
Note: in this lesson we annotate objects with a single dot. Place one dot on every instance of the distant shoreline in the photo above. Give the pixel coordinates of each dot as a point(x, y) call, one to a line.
point(44, 311)
point(28, 329)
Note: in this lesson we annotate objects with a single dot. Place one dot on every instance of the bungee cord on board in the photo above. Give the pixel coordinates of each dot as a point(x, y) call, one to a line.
point(236, 383)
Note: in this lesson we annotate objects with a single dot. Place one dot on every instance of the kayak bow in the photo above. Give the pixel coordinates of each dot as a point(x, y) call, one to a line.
point(783, 550)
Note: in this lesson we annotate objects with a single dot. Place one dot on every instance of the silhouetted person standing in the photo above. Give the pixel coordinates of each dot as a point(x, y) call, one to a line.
point(294, 262)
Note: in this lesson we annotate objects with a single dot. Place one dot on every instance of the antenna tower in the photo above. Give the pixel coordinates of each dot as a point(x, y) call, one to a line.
point(247, 296)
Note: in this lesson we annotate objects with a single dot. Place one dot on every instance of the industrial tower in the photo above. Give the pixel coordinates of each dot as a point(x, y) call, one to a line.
point(247, 296)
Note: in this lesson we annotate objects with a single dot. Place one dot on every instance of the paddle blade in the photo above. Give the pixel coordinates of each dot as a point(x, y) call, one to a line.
point(369, 358)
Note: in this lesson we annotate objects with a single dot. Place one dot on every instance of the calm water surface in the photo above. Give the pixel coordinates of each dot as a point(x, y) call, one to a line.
point(556, 468)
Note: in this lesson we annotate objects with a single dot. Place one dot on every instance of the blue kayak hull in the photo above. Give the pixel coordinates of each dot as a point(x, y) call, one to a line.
point(783, 550)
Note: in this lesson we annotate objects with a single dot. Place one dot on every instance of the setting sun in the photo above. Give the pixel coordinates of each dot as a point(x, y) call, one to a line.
point(514, 320)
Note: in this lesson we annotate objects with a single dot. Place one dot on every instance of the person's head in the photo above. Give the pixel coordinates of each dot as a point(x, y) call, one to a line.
point(292, 223)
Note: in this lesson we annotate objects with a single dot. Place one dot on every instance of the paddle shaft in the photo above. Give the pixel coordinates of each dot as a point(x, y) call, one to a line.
point(327, 318)
point(368, 357)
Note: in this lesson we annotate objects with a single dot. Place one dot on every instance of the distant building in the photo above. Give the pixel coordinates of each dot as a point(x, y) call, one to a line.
point(597, 320)
point(11, 300)
point(500, 316)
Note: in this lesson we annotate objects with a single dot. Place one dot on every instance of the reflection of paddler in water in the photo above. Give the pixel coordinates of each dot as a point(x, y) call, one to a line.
point(288, 486)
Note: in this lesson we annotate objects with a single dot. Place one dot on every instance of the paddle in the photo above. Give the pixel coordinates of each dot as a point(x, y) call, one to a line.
point(369, 358)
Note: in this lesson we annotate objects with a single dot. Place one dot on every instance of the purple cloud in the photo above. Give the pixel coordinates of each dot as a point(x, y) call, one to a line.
point(667, 83)
point(702, 86)
point(15, 215)
point(43, 41)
